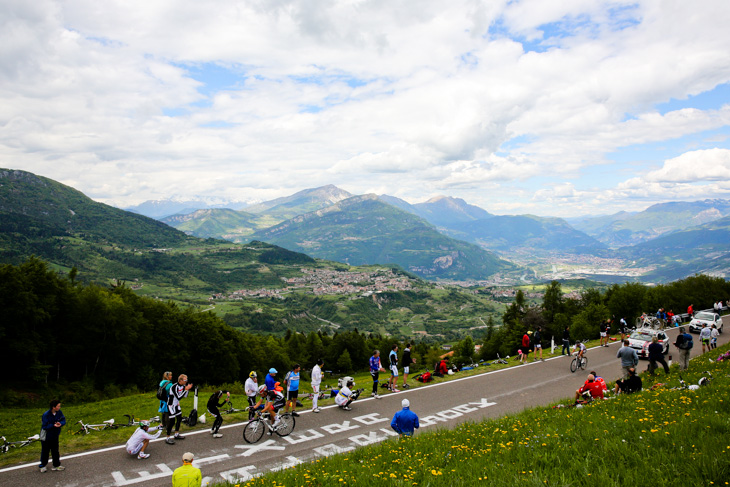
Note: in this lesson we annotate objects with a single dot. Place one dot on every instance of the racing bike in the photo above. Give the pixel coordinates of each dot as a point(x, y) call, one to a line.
point(256, 428)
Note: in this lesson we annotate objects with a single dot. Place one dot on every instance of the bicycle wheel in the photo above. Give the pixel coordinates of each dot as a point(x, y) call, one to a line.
point(286, 424)
point(254, 431)
point(574, 364)
point(584, 363)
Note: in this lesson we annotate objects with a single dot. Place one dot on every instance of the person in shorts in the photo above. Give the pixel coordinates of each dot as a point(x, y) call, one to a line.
point(393, 365)
point(714, 334)
point(345, 396)
point(407, 361)
point(604, 334)
point(177, 392)
point(537, 343)
point(705, 336)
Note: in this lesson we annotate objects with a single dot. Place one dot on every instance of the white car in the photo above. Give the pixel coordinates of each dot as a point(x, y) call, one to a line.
point(705, 317)
point(641, 339)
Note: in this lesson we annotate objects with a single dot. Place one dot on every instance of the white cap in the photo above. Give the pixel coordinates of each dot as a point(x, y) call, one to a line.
point(188, 457)
point(405, 403)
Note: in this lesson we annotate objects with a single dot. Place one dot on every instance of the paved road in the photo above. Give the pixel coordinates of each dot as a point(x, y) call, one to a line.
point(489, 395)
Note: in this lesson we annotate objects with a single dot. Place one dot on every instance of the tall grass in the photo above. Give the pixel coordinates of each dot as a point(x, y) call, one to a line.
point(656, 437)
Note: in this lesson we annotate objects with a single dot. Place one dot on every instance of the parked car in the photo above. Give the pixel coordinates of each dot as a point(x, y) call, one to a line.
point(705, 317)
point(641, 339)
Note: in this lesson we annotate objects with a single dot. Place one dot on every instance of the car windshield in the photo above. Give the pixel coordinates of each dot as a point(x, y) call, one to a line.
point(704, 316)
point(641, 335)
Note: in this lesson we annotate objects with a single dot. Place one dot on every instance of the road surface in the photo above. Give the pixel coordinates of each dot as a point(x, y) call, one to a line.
point(489, 395)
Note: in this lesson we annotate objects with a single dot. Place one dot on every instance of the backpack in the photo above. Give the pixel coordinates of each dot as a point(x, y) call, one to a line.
point(162, 390)
point(688, 343)
point(425, 377)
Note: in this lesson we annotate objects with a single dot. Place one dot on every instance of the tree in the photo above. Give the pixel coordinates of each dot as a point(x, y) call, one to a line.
point(344, 362)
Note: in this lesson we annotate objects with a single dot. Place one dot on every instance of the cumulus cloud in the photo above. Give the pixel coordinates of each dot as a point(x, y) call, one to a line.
point(482, 100)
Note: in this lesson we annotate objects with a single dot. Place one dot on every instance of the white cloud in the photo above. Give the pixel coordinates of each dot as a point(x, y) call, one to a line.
point(411, 99)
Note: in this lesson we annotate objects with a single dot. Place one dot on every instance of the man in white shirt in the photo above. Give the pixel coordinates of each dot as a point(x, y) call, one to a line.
point(344, 396)
point(251, 387)
point(139, 440)
point(316, 382)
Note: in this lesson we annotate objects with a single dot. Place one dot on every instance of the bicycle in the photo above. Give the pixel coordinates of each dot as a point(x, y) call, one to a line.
point(7, 445)
point(133, 421)
point(255, 428)
point(86, 428)
point(577, 362)
point(229, 409)
point(499, 361)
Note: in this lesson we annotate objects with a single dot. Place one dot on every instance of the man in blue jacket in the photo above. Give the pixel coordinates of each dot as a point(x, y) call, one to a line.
point(405, 421)
point(51, 423)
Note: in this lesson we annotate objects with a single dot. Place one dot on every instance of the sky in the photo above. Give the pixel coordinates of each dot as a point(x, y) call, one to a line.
point(549, 107)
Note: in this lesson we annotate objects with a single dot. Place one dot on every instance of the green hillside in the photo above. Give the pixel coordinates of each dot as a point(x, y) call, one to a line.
point(365, 230)
point(232, 225)
point(701, 249)
point(302, 202)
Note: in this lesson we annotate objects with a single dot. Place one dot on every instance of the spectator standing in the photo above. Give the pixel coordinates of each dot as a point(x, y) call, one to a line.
point(51, 423)
point(270, 380)
point(166, 382)
point(393, 363)
point(525, 347)
point(714, 334)
point(251, 388)
point(187, 475)
point(705, 336)
point(656, 354)
point(566, 342)
point(629, 358)
point(537, 339)
point(140, 439)
point(630, 384)
point(684, 344)
point(177, 392)
point(604, 333)
point(375, 370)
point(405, 421)
point(213, 406)
point(690, 311)
point(624, 329)
point(316, 382)
point(407, 361)
point(670, 318)
point(292, 389)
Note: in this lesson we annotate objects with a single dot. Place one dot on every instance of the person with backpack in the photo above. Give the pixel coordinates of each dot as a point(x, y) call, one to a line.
point(51, 423)
point(163, 391)
point(407, 361)
point(525, 347)
point(684, 344)
point(292, 389)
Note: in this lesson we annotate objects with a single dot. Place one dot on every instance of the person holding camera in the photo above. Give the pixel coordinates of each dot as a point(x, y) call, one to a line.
point(177, 392)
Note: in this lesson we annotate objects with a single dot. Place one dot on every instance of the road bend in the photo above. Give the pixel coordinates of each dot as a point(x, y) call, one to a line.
point(489, 395)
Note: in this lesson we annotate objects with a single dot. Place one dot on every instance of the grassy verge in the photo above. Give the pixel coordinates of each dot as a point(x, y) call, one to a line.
point(662, 436)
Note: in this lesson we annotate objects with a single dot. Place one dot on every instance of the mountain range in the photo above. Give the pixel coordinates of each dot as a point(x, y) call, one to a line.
point(442, 237)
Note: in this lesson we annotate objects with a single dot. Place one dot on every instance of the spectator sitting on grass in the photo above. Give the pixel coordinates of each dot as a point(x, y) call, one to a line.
point(630, 384)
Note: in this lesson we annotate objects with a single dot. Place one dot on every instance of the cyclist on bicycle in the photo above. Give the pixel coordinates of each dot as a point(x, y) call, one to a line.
point(580, 349)
point(275, 400)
